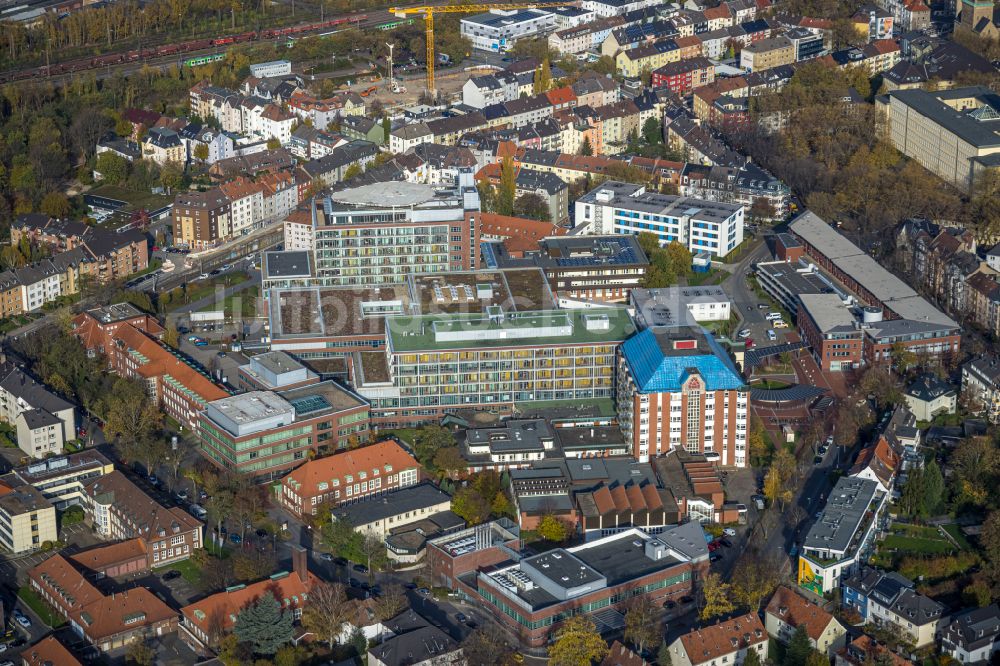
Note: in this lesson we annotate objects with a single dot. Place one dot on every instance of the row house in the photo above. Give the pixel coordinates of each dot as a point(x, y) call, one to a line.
point(684, 76)
point(744, 185)
point(585, 37)
point(104, 254)
point(332, 168)
point(632, 36)
point(310, 143)
point(617, 122)
point(447, 131)
point(439, 165)
point(981, 386)
point(890, 601)
point(482, 91)
point(246, 205)
point(595, 90)
point(269, 122)
point(323, 113)
point(704, 97)
point(219, 145)
point(647, 57)
point(697, 144)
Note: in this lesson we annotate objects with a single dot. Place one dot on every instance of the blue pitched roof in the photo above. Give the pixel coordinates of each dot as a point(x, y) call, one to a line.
point(655, 372)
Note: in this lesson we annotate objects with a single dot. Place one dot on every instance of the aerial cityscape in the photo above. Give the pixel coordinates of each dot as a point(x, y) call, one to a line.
point(581, 333)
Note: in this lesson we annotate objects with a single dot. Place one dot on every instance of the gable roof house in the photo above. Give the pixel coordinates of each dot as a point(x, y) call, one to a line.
point(723, 643)
point(788, 610)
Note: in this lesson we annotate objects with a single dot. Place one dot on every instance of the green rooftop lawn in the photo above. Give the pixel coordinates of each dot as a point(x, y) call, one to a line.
point(901, 543)
point(134, 198)
point(417, 333)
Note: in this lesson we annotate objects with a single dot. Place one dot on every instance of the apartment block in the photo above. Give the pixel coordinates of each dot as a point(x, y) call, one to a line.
point(767, 54)
point(44, 421)
point(201, 219)
point(697, 224)
point(61, 480)
point(677, 389)
point(27, 519)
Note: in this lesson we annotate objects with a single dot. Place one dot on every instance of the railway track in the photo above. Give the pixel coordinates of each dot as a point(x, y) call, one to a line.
point(191, 49)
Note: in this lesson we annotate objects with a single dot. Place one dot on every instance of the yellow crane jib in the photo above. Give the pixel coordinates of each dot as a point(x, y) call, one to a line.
point(429, 12)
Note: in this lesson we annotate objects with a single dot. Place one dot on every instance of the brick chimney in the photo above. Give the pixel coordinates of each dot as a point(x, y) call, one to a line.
point(300, 561)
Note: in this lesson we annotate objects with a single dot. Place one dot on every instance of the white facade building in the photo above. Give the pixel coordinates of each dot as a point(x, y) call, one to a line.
point(697, 224)
point(273, 68)
point(497, 30)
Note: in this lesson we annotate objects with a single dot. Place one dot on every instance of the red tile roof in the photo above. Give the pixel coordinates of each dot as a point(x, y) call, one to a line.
point(795, 610)
point(101, 557)
point(49, 652)
point(884, 46)
point(520, 233)
point(560, 96)
point(722, 11)
point(384, 456)
point(221, 609)
point(710, 643)
point(619, 655)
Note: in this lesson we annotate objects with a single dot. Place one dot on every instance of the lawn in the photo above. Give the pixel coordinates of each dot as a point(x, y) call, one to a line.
point(713, 276)
point(901, 543)
point(42, 609)
point(246, 299)
point(178, 298)
point(955, 532)
point(408, 435)
point(189, 571)
point(771, 384)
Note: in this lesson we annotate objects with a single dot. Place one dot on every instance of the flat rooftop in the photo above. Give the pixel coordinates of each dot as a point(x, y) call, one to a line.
point(978, 126)
point(251, 406)
point(474, 291)
point(842, 516)
point(397, 502)
point(793, 280)
point(541, 328)
point(829, 312)
point(108, 314)
point(395, 194)
point(577, 252)
point(278, 362)
point(287, 264)
point(622, 195)
point(316, 399)
point(333, 311)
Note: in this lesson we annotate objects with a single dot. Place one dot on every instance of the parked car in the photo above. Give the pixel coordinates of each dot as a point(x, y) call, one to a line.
point(235, 538)
point(771, 335)
point(355, 582)
point(360, 568)
point(326, 557)
point(410, 586)
point(261, 533)
point(714, 557)
point(200, 343)
point(745, 333)
point(171, 575)
point(726, 543)
point(729, 532)
point(181, 495)
point(669, 603)
point(424, 592)
point(460, 617)
point(21, 618)
point(686, 599)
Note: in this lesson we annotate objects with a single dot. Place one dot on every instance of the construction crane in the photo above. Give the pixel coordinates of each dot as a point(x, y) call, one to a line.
point(429, 12)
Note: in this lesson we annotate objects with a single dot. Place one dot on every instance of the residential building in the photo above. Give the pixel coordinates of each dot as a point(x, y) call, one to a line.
point(482, 91)
point(766, 54)
point(517, 234)
point(265, 434)
point(497, 30)
point(971, 636)
point(872, 22)
point(889, 601)
point(207, 620)
point(201, 220)
point(619, 655)
point(61, 479)
point(119, 509)
point(724, 643)
point(864, 650)
point(684, 76)
point(677, 388)
point(952, 133)
point(660, 307)
point(602, 268)
point(27, 519)
point(362, 128)
point(788, 610)
point(981, 386)
point(48, 651)
point(348, 476)
point(843, 535)
point(108, 622)
point(403, 138)
point(414, 642)
point(163, 145)
point(395, 509)
point(807, 43)
point(43, 421)
point(533, 595)
point(927, 397)
point(697, 224)
point(325, 112)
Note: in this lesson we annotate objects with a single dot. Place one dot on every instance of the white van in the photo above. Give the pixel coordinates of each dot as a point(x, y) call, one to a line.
point(771, 316)
point(198, 511)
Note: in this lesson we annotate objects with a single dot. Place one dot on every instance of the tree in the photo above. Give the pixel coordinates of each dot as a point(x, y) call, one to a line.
point(172, 175)
point(273, 143)
point(129, 416)
point(358, 641)
point(470, 506)
point(663, 656)
point(752, 658)
point(140, 654)
point(386, 129)
point(171, 336)
point(253, 564)
point(373, 549)
point(649, 242)
point(264, 625)
point(753, 579)
point(507, 187)
point(532, 206)
point(577, 643)
point(551, 528)
point(327, 611)
point(353, 171)
point(817, 658)
point(200, 152)
point(641, 628)
point(427, 442)
point(488, 646)
point(933, 488)
point(449, 459)
point(652, 131)
point(390, 603)
point(112, 167)
point(585, 148)
point(543, 78)
point(902, 357)
point(716, 597)
point(760, 450)
point(290, 655)
point(55, 204)
point(799, 647)
point(989, 539)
